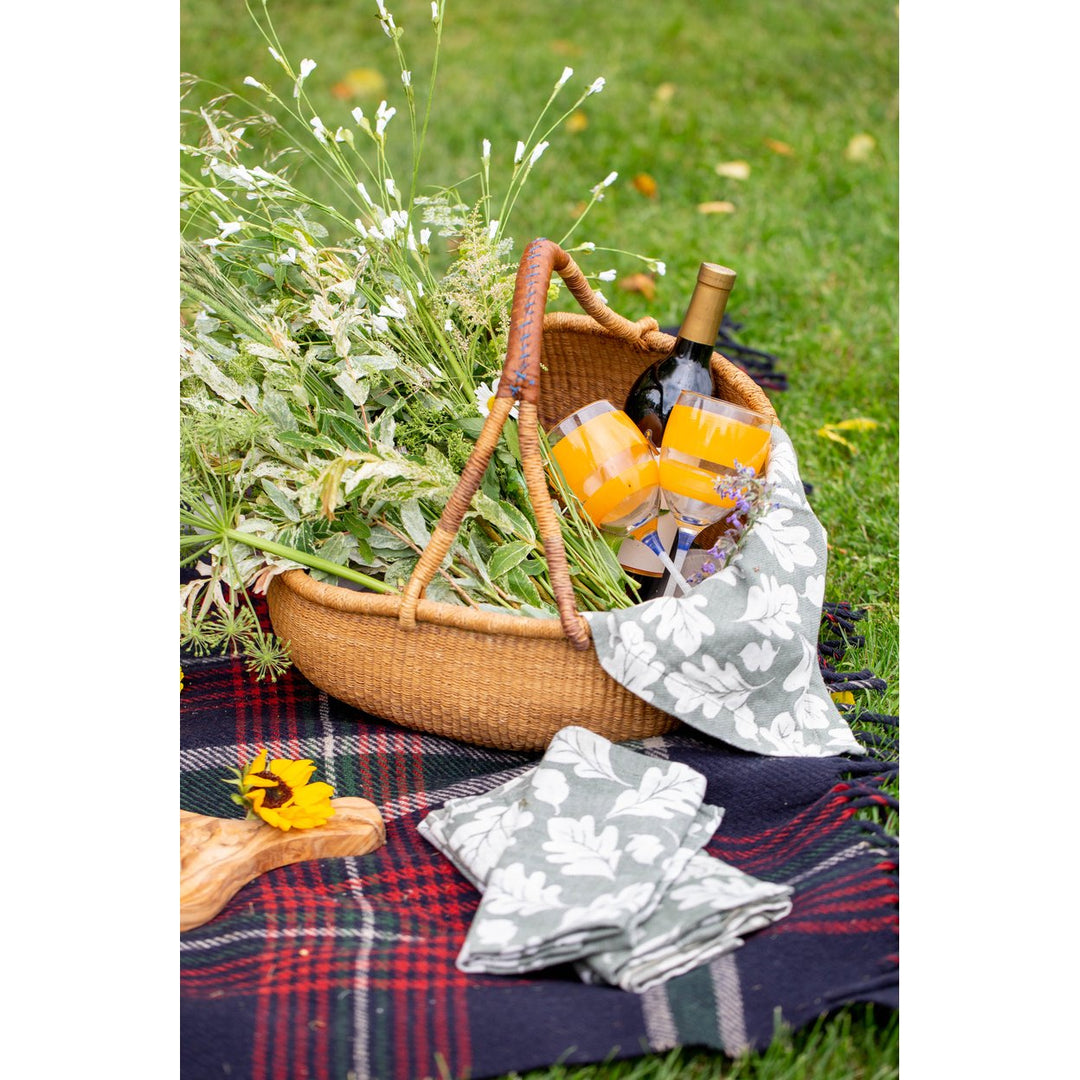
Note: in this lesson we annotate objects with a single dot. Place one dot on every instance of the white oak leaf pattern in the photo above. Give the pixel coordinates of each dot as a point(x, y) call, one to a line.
point(678, 791)
point(758, 655)
point(589, 754)
point(772, 608)
point(786, 541)
point(483, 838)
point(576, 846)
point(682, 619)
point(709, 688)
point(512, 890)
point(550, 786)
point(644, 848)
point(630, 661)
point(607, 908)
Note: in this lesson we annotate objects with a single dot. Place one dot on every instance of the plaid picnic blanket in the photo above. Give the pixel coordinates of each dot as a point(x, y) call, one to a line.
point(344, 968)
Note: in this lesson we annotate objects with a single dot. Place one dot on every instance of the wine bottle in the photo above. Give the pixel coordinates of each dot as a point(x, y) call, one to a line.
point(686, 367)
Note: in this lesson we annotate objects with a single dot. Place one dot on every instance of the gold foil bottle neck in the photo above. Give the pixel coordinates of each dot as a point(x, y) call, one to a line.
point(706, 309)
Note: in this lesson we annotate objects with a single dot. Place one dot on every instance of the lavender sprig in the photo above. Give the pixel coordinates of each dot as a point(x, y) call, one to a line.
point(752, 496)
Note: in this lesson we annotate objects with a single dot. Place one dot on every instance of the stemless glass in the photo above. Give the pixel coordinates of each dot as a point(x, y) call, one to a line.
point(608, 463)
point(706, 440)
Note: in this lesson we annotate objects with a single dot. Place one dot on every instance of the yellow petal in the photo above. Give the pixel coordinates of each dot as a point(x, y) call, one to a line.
point(718, 206)
point(312, 793)
point(734, 170)
point(257, 766)
point(664, 93)
point(294, 773)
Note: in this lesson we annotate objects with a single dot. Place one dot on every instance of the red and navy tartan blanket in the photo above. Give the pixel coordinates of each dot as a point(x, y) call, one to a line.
point(344, 968)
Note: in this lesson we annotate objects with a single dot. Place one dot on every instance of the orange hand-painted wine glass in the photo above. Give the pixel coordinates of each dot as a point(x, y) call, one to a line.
point(705, 441)
point(608, 463)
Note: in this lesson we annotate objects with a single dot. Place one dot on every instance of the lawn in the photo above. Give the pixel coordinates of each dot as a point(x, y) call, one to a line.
point(804, 98)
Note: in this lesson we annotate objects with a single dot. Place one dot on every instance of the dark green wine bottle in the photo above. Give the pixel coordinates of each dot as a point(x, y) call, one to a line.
point(686, 367)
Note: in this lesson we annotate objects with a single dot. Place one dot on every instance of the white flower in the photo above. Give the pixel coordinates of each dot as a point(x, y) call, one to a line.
point(600, 296)
point(406, 78)
point(493, 228)
point(383, 116)
point(657, 267)
point(519, 152)
point(448, 326)
point(425, 237)
point(288, 256)
point(230, 227)
point(606, 275)
point(379, 324)
point(358, 114)
point(596, 86)
point(319, 128)
point(250, 80)
point(587, 245)
point(486, 392)
point(538, 151)
point(434, 12)
point(363, 194)
point(393, 308)
point(485, 150)
point(275, 55)
point(391, 188)
point(566, 73)
point(609, 179)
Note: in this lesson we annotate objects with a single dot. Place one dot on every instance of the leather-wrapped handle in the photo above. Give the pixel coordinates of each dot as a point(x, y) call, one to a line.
point(520, 384)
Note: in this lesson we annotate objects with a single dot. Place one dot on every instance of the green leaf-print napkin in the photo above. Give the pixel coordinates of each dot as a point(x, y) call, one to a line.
point(736, 657)
point(579, 859)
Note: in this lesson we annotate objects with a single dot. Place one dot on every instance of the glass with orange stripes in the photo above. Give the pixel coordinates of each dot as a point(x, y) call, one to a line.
point(610, 466)
point(706, 440)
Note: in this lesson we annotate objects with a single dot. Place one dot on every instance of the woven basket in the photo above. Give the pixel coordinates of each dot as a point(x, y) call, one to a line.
point(496, 680)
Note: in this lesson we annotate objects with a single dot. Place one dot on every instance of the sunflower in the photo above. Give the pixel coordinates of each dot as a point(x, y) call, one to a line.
point(278, 792)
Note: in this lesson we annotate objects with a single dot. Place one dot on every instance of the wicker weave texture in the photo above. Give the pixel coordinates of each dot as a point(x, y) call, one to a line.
point(503, 681)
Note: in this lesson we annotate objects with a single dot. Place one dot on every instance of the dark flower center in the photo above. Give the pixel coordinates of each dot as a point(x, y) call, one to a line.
point(275, 796)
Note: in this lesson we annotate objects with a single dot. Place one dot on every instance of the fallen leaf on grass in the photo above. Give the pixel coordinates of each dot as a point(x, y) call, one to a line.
point(719, 206)
point(562, 47)
point(860, 147)
point(664, 93)
point(778, 147)
point(644, 183)
point(734, 170)
point(639, 283)
point(843, 697)
point(858, 423)
point(359, 83)
point(577, 121)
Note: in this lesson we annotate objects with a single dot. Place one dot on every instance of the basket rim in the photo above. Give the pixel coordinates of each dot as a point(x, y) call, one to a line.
point(461, 617)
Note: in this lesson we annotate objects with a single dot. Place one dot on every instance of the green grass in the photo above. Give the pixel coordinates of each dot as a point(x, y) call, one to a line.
point(814, 238)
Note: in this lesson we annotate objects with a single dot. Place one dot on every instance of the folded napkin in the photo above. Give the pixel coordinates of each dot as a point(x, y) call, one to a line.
point(736, 657)
point(594, 856)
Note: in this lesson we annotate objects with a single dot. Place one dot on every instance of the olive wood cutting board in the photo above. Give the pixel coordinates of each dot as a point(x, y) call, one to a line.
point(219, 856)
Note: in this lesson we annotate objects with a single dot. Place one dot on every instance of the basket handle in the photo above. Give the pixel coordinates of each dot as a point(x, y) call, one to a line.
point(520, 383)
